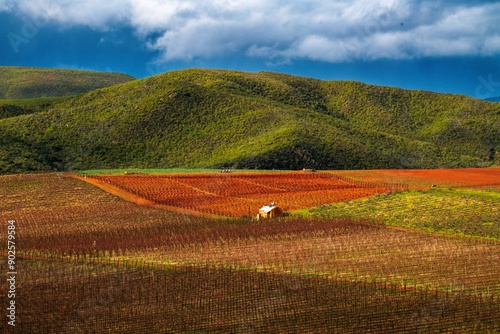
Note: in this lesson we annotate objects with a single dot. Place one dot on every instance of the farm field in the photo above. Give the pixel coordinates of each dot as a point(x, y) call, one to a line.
point(89, 261)
point(456, 211)
point(237, 194)
point(97, 297)
point(425, 178)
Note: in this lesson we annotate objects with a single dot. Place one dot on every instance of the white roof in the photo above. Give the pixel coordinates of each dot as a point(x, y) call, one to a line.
point(267, 208)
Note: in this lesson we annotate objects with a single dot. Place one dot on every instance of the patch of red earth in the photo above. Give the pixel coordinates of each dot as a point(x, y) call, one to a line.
point(138, 199)
point(456, 177)
point(235, 194)
point(425, 178)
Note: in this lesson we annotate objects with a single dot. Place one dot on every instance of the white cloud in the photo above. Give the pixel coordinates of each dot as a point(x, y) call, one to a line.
point(4, 6)
point(93, 13)
point(280, 31)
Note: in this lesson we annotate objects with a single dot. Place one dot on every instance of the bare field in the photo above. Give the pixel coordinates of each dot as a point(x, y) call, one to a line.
point(93, 255)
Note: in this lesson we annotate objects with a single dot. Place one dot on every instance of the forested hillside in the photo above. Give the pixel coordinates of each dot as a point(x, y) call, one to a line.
point(213, 118)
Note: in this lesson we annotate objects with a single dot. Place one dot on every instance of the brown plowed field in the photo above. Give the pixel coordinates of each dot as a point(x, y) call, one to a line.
point(236, 194)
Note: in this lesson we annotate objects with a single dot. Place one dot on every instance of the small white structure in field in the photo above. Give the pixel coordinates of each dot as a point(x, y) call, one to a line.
point(270, 211)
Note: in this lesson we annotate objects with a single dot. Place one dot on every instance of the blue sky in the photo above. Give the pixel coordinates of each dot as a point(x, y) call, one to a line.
point(443, 46)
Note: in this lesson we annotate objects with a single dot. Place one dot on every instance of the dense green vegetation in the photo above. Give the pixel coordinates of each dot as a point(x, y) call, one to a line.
point(29, 82)
point(212, 118)
point(13, 108)
point(446, 210)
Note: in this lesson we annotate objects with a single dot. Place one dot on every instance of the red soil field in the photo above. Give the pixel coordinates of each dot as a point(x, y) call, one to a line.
point(457, 177)
point(424, 178)
point(242, 194)
point(236, 194)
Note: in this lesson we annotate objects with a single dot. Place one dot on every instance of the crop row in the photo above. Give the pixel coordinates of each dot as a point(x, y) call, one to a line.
point(118, 228)
point(425, 178)
point(242, 194)
point(103, 296)
point(456, 177)
point(351, 249)
point(469, 212)
point(82, 271)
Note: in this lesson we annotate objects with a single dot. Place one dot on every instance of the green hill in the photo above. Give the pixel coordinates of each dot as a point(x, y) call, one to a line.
point(30, 82)
point(13, 108)
point(211, 118)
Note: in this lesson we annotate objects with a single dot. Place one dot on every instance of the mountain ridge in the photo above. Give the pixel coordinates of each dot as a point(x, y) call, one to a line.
point(214, 118)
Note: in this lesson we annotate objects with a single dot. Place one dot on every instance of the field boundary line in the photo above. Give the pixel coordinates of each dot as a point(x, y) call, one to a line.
point(261, 184)
point(175, 180)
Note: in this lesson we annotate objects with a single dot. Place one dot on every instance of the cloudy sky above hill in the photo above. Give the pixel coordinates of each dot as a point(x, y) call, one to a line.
point(445, 46)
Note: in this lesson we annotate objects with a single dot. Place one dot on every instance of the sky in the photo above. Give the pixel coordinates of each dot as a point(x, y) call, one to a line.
point(443, 46)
